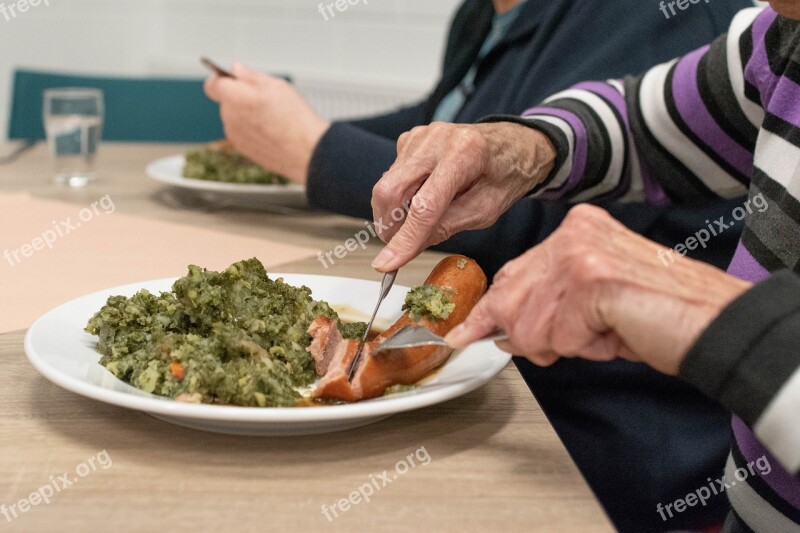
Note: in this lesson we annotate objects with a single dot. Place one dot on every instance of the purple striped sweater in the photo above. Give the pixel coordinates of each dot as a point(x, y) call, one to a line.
point(722, 121)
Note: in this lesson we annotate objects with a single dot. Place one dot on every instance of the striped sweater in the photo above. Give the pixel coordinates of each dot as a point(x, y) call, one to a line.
point(723, 121)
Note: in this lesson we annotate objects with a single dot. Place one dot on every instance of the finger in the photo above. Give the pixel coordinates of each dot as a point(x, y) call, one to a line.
point(218, 88)
point(523, 290)
point(509, 347)
point(402, 141)
point(479, 324)
point(604, 347)
point(244, 73)
point(211, 88)
point(467, 212)
point(418, 154)
point(543, 359)
point(425, 210)
point(393, 192)
point(397, 185)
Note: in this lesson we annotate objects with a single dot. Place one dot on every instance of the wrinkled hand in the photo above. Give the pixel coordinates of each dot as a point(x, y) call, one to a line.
point(268, 121)
point(597, 290)
point(454, 177)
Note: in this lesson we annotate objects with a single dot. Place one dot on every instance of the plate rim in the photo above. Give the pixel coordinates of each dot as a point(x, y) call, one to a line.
point(263, 415)
point(216, 186)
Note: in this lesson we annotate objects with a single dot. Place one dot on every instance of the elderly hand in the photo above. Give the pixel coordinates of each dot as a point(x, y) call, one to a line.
point(455, 177)
point(268, 121)
point(597, 290)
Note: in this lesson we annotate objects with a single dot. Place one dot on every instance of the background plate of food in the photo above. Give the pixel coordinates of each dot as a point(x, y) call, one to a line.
point(219, 174)
point(250, 353)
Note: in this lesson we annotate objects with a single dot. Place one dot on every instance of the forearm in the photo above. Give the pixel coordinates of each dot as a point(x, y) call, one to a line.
point(748, 360)
point(683, 132)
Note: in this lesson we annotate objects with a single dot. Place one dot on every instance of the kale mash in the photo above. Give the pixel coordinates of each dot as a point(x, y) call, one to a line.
point(233, 337)
point(223, 163)
point(429, 302)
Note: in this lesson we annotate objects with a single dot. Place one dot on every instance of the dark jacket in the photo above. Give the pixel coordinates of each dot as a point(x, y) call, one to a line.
point(638, 437)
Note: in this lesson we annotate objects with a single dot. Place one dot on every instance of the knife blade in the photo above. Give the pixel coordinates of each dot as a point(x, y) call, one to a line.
point(386, 286)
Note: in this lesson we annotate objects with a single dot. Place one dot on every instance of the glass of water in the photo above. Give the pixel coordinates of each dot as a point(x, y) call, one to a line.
point(73, 122)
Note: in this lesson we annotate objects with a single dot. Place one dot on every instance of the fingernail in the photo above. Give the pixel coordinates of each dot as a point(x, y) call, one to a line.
point(383, 259)
point(456, 337)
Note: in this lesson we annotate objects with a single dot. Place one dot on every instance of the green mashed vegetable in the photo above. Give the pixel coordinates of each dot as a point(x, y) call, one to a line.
point(429, 302)
point(227, 165)
point(233, 337)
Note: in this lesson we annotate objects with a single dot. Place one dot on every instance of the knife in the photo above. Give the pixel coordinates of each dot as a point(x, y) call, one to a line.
point(216, 69)
point(386, 286)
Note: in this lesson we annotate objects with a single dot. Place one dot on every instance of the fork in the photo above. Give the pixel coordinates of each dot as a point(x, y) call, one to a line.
point(416, 336)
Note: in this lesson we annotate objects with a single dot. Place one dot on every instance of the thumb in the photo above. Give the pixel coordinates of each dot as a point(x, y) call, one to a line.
point(477, 325)
point(212, 88)
point(404, 246)
point(417, 229)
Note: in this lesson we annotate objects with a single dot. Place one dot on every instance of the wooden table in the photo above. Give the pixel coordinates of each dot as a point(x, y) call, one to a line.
point(495, 462)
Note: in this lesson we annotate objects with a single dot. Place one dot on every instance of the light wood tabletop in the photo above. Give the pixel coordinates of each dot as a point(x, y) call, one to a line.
point(494, 462)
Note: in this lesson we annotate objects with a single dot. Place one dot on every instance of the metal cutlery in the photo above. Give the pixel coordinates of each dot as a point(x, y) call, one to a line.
point(386, 286)
point(216, 69)
point(416, 336)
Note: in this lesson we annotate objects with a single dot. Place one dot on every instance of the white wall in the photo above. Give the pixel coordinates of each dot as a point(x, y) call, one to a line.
point(393, 45)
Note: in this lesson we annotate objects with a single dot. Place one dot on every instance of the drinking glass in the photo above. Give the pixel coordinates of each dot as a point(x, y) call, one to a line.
point(73, 122)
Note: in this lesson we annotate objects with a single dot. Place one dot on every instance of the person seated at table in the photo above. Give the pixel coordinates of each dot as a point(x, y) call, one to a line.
point(504, 57)
point(719, 121)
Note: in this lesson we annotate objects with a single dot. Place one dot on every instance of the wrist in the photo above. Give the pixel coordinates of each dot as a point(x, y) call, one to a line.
point(662, 331)
point(544, 155)
point(306, 144)
point(748, 352)
point(520, 150)
point(718, 292)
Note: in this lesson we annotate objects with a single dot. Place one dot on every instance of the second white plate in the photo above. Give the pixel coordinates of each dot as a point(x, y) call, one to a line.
point(169, 171)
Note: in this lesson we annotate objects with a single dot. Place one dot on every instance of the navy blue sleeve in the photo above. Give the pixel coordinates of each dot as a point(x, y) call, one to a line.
point(346, 164)
point(392, 125)
point(352, 156)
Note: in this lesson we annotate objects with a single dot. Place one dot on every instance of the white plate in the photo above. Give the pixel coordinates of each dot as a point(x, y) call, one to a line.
point(59, 348)
point(169, 171)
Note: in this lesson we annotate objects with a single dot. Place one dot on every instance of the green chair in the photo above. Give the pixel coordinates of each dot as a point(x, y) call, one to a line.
point(136, 109)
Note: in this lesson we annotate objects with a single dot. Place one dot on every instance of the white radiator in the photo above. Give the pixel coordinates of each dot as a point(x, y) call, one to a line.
point(337, 100)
